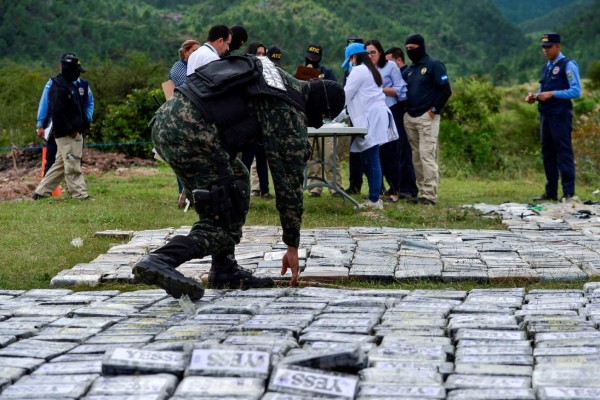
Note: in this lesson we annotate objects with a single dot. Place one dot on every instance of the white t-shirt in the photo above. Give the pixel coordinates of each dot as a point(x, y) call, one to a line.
point(202, 56)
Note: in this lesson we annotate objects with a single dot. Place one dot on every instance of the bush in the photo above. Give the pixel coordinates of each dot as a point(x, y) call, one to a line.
point(594, 75)
point(114, 85)
point(21, 89)
point(586, 141)
point(467, 134)
point(127, 122)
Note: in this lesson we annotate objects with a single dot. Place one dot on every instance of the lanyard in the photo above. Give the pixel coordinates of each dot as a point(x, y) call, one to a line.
point(210, 47)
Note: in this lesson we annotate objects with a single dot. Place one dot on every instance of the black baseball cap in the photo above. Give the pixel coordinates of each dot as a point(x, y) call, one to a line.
point(274, 54)
point(70, 59)
point(314, 52)
point(549, 39)
point(354, 40)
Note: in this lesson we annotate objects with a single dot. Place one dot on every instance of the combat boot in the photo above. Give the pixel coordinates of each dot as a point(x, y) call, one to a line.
point(225, 273)
point(159, 268)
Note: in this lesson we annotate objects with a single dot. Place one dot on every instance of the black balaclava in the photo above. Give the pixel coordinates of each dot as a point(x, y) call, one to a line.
point(417, 54)
point(70, 72)
point(239, 36)
point(326, 98)
point(315, 64)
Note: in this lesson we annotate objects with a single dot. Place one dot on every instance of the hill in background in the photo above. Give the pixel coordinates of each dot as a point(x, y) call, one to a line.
point(541, 15)
point(471, 37)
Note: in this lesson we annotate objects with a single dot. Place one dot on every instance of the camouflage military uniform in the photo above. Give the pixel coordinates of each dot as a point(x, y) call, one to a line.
point(193, 149)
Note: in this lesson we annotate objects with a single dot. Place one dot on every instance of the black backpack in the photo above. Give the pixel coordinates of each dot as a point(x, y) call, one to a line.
point(219, 90)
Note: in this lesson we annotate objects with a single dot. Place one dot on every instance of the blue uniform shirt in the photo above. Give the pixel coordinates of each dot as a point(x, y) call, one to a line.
point(43, 119)
point(572, 71)
point(392, 78)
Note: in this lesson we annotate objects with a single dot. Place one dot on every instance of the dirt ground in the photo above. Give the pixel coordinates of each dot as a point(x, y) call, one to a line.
point(21, 172)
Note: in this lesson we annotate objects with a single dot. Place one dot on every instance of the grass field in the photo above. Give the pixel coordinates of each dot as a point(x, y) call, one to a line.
point(36, 236)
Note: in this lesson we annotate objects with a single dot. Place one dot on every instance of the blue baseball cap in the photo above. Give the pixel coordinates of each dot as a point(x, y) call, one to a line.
point(352, 49)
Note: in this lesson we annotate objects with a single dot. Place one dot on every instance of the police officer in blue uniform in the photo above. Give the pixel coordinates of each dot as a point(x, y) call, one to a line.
point(559, 84)
point(43, 115)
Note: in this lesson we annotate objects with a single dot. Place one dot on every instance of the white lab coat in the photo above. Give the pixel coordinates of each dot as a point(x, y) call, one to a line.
point(367, 109)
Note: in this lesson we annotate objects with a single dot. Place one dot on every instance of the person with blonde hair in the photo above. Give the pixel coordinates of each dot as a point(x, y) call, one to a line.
point(178, 71)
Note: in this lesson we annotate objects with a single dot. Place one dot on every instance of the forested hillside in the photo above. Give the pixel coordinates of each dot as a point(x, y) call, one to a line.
point(535, 15)
point(472, 37)
point(39, 31)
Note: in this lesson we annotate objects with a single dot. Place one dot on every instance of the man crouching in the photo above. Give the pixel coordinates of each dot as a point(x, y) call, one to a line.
point(225, 105)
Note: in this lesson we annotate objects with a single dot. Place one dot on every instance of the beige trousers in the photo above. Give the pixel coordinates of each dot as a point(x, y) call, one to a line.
point(254, 177)
point(68, 167)
point(315, 169)
point(422, 132)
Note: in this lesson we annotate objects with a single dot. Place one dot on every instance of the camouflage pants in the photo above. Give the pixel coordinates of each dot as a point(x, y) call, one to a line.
point(192, 148)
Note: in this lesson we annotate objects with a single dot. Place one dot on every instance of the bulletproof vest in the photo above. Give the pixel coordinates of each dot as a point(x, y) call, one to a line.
point(555, 78)
point(82, 87)
point(75, 90)
point(221, 90)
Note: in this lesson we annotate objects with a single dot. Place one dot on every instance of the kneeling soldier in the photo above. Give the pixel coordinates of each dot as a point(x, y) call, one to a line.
point(224, 105)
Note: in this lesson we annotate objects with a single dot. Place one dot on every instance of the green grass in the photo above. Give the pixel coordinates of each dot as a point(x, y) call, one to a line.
point(36, 236)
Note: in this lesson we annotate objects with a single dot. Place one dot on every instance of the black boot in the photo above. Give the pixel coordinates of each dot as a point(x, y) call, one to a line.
point(158, 268)
point(226, 273)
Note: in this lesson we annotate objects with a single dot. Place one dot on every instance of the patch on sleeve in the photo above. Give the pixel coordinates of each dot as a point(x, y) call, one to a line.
point(570, 75)
point(444, 78)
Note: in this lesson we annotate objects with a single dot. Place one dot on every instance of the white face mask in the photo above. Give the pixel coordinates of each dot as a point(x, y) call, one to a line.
point(352, 63)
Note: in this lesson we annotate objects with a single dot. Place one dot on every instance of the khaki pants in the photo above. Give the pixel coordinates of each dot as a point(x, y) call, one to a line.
point(315, 169)
point(422, 132)
point(254, 177)
point(68, 167)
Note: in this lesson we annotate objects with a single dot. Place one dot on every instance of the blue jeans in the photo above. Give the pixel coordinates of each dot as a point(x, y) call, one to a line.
point(372, 168)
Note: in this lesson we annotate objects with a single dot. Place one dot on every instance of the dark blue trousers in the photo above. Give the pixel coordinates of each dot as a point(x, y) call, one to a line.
point(406, 178)
point(262, 169)
point(51, 149)
point(355, 173)
point(557, 152)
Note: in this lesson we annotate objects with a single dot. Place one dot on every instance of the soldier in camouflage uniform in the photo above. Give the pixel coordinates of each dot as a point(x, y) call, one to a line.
point(194, 149)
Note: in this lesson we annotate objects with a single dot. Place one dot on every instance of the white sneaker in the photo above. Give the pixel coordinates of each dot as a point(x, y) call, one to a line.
point(374, 205)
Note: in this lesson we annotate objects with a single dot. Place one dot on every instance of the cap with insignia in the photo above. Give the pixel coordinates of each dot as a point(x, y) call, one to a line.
point(314, 53)
point(71, 60)
point(549, 39)
point(274, 54)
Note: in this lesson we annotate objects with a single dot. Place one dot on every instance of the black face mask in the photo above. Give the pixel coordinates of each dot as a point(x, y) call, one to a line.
point(315, 64)
point(70, 73)
point(326, 98)
point(415, 55)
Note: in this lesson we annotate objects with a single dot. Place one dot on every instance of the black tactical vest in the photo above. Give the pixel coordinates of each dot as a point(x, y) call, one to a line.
point(555, 78)
point(221, 90)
